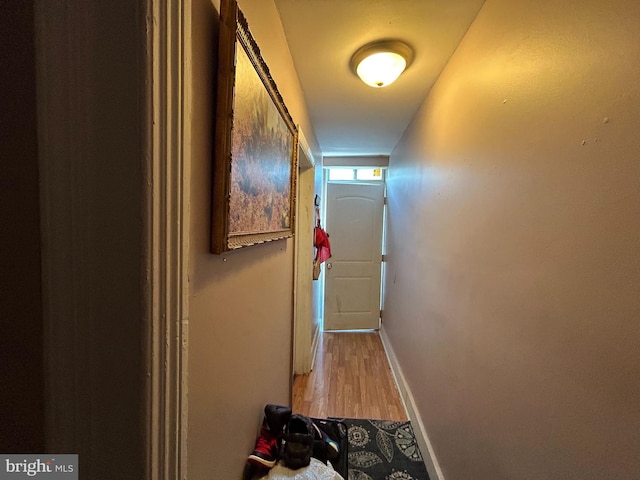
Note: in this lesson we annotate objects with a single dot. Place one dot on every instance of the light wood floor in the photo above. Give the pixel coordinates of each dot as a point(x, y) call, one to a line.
point(351, 379)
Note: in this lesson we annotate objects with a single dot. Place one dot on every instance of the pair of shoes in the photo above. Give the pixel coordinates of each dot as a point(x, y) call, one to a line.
point(266, 451)
point(298, 437)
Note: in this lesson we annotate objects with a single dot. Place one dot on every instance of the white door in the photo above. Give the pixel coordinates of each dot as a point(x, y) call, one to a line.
point(353, 273)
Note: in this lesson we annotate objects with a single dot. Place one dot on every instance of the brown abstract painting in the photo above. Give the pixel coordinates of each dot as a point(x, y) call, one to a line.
point(261, 148)
point(255, 151)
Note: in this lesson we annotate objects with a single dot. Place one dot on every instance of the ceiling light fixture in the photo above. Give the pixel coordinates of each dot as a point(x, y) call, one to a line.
point(380, 63)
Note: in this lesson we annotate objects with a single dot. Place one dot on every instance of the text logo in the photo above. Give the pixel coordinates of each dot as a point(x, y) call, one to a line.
point(43, 467)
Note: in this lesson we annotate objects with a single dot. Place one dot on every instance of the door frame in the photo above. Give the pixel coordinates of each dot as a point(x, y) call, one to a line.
point(168, 101)
point(354, 163)
point(305, 336)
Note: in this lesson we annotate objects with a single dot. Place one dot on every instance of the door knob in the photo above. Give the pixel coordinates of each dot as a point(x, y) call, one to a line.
point(329, 266)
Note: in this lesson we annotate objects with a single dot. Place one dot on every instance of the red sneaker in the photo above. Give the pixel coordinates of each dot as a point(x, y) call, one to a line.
point(266, 450)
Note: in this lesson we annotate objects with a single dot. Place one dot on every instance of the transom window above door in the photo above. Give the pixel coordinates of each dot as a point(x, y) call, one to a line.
point(360, 174)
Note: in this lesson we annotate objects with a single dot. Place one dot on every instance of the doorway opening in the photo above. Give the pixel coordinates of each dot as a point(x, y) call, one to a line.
point(354, 214)
point(352, 364)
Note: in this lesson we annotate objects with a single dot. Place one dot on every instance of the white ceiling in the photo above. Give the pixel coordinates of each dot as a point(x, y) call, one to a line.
point(350, 118)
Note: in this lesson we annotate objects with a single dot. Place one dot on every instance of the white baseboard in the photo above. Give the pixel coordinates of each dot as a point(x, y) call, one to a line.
point(430, 460)
point(314, 346)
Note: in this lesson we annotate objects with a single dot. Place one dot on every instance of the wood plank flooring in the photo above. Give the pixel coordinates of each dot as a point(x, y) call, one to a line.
point(351, 379)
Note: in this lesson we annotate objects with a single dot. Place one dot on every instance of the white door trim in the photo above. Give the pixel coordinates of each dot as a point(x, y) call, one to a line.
point(168, 98)
point(304, 328)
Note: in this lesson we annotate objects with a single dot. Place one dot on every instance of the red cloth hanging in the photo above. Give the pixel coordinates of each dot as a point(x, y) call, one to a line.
point(321, 242)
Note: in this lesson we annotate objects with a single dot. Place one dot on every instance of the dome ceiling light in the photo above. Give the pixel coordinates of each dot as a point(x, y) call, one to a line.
point(380, 63)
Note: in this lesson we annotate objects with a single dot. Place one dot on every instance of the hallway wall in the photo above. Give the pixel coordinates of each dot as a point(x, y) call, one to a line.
point(240, 303)
point(513, 264)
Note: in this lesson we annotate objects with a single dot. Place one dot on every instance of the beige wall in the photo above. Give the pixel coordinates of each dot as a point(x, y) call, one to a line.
point(240, 308)
point(513, 274)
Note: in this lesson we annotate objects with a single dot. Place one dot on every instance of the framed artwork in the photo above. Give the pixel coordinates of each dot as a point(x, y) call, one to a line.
point(255, 150)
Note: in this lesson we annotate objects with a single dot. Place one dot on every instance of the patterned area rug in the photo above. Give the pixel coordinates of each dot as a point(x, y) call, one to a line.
point(383, 450)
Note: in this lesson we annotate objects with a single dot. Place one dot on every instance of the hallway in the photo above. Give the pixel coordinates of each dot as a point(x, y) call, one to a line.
point(351, 379)
point(511, 260)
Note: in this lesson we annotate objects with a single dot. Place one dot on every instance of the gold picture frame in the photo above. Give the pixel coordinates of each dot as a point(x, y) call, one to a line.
point(255, 151)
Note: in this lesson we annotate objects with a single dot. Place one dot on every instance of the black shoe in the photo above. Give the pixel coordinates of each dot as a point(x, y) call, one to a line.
point(252, 471)
point(325, 447)
point(298, 442)
point(276, 417)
